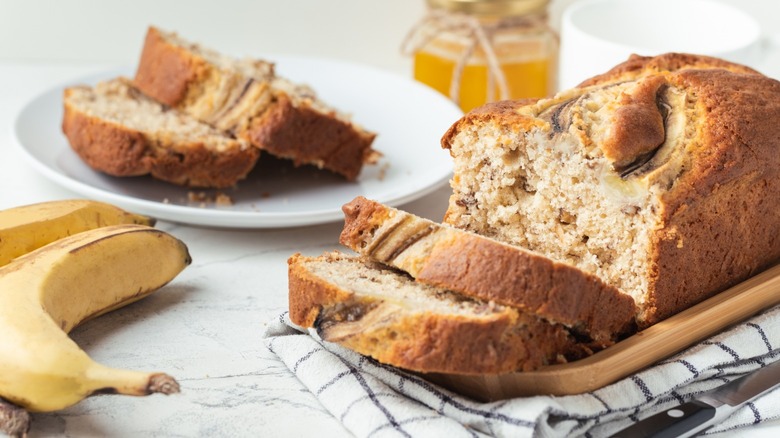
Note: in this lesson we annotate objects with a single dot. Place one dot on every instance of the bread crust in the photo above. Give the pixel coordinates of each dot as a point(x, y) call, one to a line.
point(640, 66)
point(718, 220)
point(120, 151)
point(176, 76)
point(307, 136)
point(425, 341)
point(486, 269)
point(167, 72)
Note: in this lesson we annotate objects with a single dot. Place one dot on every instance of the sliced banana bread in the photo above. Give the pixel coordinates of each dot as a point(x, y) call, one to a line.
point(247, 98)
point(486, 269)
point(661, 177)
point(380, 312)
point(117, 130)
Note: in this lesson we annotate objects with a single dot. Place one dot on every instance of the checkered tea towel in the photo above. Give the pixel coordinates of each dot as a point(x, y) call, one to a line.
point(375, 400)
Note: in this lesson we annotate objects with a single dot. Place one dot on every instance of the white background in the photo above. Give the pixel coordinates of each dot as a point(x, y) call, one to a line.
point(367, 31)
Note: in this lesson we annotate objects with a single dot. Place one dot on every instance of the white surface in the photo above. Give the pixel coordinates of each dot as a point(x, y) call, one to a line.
point(597, 34)
point(369, 31)
point(277, 195)
point(205, 327)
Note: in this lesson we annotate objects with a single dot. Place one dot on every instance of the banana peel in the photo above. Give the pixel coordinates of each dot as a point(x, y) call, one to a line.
point(76, 273)
point(29, 227)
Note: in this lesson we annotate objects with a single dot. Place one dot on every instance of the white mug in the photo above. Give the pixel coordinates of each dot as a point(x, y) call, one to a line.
point(598, 34)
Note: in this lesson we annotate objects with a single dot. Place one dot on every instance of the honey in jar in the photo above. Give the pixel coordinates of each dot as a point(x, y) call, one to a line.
point(479, 51)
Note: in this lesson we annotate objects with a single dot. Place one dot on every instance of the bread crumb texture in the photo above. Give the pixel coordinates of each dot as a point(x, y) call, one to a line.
point(648, 177)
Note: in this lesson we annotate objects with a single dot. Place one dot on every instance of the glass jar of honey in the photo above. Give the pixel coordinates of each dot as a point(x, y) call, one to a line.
point(479, 51)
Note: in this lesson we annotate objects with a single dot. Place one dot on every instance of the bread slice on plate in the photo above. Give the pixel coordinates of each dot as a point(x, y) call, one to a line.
point(117, 130)
point(381, 312)
point(246, 97)
point(661, 177)
point(486, 269)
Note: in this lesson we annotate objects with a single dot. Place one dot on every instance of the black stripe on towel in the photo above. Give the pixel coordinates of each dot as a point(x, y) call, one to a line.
point(417, 420)
point(372, 396)
point(723, 347)
point(327, 385)
point(756, 414)
point(678, 397)
point(304, 358)
point(366, 397)
point(601, 400)
point(643, 387)
point(690, 367)
point(424, 384)
point(762, 334)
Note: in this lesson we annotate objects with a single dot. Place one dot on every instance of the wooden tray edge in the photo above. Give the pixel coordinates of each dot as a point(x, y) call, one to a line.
point(639, 351)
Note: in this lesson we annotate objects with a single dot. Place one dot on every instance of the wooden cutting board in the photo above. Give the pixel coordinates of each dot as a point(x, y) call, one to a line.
point(632, 354)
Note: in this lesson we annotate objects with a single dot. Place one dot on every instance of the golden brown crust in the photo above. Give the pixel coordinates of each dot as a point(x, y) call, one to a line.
point(120, 151)
point(176, 76)
point(307, 294)
point(425, 341)
point(503, 112)
point(128, 154)
point(486, 269)
point(721, 219)
point(640, 66)
point(637, 125)
point(165, 71)
point(308, 136)
point(508, 113)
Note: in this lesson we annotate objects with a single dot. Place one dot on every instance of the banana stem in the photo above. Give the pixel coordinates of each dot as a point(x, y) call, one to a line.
point(163, 384)
point(14, 420)
point(105, 380)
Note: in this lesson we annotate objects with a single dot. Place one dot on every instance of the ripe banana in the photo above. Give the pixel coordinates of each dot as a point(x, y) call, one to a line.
point(48, 292)
point(26, 228)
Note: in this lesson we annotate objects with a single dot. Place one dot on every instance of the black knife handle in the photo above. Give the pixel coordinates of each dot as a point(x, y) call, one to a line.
point(672, 422)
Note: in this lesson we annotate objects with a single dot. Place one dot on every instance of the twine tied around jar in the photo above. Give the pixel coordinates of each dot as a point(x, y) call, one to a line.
point(478, 34)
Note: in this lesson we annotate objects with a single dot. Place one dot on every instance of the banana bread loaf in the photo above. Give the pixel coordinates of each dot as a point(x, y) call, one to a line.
point(117, 130)
point(660, 177)
point(247, 98)
point(486, 269)
point(380, 312)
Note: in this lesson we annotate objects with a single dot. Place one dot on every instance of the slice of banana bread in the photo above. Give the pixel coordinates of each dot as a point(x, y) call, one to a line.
point(660, 177)
point(380, 312)
point(486, 269)
point(247, 98)
point(117, 130)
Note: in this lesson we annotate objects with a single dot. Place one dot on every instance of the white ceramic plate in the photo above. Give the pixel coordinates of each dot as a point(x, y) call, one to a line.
point(408, 117)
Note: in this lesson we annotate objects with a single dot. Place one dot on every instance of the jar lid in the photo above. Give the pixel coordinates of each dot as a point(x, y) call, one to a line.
point(491, 7)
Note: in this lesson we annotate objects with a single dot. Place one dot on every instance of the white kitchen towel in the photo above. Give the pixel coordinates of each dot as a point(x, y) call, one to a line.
point(375, 400)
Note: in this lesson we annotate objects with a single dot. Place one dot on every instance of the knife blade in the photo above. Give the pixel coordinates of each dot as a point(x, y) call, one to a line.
point(692, 417)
